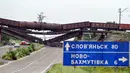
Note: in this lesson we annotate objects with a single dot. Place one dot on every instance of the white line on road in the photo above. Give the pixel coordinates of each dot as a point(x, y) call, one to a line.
point(50, 64)
point(31, 63)
point(21, 58)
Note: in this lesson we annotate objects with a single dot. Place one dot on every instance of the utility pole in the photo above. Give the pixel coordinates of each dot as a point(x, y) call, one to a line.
point(120, 12)
point(41, 17)
point(40, 20)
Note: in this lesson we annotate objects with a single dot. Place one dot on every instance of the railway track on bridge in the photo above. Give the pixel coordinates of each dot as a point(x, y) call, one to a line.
point(20, 29)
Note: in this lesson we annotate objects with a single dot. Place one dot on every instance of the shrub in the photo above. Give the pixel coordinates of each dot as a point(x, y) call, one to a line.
point(6, 56)
point(26, 51)
point(19, 53)
point(33, 47)
point(30, 49)
point(23, 51)
point(9, 55)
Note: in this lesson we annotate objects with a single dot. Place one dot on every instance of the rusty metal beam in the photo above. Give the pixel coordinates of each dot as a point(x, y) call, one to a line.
point(23, 35)
point(30, 25)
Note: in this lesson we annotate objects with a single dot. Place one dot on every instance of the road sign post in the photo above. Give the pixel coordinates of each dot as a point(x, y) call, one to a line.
point(85, 53)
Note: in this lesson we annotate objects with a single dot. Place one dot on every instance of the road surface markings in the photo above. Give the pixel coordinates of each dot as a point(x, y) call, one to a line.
point(50, 64)
point(20, 58)
point(32, 62)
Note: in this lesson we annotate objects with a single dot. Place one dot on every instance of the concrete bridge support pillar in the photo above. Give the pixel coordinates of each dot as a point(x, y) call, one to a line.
point(101, 38)
point(93, 29)
point(80, 36)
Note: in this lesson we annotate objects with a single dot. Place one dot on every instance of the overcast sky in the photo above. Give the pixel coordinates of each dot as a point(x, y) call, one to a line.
point(65, 11)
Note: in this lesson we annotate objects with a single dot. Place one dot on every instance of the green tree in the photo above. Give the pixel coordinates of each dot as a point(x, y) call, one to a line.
point(5, 38)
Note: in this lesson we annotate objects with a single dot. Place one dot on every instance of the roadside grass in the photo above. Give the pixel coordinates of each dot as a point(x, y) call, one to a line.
point(59, 68)
point(1, 63)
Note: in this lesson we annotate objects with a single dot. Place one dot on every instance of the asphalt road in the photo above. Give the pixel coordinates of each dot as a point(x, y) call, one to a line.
point(3, 49)
point(37, 62)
